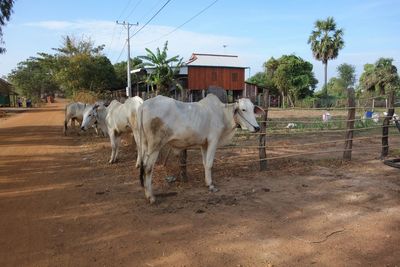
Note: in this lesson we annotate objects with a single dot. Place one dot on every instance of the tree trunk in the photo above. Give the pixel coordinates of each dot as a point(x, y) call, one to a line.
point(326, 78)
point(290, 101)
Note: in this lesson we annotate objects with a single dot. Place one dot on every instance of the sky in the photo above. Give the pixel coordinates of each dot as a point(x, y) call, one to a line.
point(254, 30)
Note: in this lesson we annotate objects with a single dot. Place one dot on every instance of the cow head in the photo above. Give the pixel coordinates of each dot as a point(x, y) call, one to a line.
point(245, 113)
point(89, 117)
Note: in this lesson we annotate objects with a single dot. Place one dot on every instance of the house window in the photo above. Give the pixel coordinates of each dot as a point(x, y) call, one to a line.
point(234, 77)
point(213, 76)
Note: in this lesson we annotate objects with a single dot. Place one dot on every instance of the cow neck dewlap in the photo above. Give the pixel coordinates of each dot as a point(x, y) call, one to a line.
point(229, 112)
point(102, 113)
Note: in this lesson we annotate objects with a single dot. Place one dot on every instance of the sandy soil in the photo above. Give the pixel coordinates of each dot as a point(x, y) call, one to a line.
point(62, 204)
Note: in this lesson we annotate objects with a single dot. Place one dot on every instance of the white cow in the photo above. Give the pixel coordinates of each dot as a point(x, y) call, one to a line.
point(74, 112)
point(205, 124)
point(115, 119)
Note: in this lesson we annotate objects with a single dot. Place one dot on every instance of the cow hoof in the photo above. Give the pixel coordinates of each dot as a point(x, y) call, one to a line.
point(152, 200)
point(212, 189)
point(111, 161)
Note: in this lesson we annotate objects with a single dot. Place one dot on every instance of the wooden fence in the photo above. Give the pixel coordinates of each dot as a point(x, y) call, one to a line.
point(353, 126)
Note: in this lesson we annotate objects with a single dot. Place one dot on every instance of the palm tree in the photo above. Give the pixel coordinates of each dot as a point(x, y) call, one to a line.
point(380, 78)
point(164, 75)
point(326, 41)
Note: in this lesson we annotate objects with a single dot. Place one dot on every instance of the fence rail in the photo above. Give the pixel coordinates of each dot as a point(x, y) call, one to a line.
point(346, 125)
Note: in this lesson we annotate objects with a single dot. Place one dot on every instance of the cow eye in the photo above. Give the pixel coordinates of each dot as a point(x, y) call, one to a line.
point(243, 110)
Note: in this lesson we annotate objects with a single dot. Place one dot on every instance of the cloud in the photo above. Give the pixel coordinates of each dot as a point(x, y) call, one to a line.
point(180, 42)
point(53, 25)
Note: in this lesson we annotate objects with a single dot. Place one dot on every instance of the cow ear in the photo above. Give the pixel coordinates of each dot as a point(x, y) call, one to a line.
point(258, 110)
point(236, 108)
point(96, 106)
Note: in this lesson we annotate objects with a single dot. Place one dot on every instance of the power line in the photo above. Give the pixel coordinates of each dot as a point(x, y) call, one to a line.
point(133, 9)
point(115, 26)
point(123, 10)
point(144, 15)
point(183, 24)
point(120, 54)
point(166, 3)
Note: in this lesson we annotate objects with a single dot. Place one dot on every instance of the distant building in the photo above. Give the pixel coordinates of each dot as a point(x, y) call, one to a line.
point(8, 98)
point(205, 71)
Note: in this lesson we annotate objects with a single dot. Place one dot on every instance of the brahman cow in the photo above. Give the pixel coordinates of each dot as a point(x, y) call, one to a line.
point(207, 124)
point(115, 119)
point(74, 112)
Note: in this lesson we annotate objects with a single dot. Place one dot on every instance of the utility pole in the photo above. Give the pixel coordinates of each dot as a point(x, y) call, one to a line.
point(128, 25)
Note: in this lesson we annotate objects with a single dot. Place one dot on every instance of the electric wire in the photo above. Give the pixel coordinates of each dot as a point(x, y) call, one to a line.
point(141, 28)
point(183, 24)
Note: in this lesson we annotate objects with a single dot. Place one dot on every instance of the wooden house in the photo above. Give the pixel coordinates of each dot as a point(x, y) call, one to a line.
point(8, 98)
point(206, 71)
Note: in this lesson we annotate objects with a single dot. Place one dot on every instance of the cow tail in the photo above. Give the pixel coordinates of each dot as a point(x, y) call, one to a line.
point(140, 146)
point(141, 174)
point(65, 120)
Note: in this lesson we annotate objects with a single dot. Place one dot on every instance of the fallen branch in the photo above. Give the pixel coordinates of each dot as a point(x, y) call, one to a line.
point(319, 241)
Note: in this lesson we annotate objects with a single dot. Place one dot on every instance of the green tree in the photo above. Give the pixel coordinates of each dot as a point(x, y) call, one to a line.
point(121, 72)
point(326, 41)
point(259, 79)
point(380, 78)
point(77, 65)
point(347, 73)
point(5, 14)
point(81, 66)
point(33, 77)
point(165, 70)
point(292, 76)
point(336, 87)
point(71, 46)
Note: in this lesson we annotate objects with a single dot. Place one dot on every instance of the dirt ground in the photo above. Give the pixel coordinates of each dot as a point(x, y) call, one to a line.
point(62, 204)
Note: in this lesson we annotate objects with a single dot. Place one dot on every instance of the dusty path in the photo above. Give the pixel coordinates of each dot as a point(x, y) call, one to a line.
point(61, 204)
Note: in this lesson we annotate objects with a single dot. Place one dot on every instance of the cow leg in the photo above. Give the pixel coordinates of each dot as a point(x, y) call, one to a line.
point(210, 153)
point(136, 139)
point(65, 126)
point(113, 145)
point(148, 191)
point(204, 155)
point(117, 145)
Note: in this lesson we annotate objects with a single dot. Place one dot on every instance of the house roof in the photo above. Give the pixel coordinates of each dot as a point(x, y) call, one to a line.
point(212, 60)
point(5, 87)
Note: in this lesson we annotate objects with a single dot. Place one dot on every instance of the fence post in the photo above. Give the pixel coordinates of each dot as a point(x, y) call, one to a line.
point(348, 144)
point(385, 126)
point(263, 135)
point(183, 154)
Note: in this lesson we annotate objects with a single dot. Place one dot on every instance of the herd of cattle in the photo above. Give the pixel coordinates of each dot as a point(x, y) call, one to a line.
point(161, 121)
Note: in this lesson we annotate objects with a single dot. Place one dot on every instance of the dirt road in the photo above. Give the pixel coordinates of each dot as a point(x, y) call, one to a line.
point(62, 204)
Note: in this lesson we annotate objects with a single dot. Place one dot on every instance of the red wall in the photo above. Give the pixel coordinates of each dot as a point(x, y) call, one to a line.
point(200, 78)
